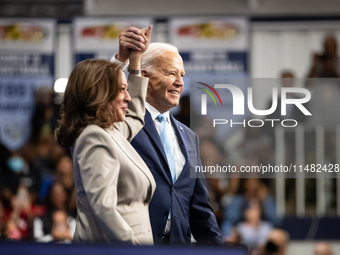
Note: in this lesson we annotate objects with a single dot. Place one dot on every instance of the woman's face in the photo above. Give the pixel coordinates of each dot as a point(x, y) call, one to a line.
point(119, 105)
point(58, 196)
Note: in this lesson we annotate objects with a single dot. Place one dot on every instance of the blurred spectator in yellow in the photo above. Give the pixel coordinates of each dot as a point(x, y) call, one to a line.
point(323, 248)
point(326, 64)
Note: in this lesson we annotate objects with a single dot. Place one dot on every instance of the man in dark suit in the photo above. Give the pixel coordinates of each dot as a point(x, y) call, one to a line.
point(180, 205)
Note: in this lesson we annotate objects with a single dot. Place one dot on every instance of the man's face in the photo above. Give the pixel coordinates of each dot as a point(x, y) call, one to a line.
point(165, 82)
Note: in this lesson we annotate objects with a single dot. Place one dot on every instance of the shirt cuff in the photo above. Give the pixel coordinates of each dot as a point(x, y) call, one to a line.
point(122, 64)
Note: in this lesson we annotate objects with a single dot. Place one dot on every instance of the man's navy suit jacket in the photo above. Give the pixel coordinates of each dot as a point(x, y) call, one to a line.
point(187, 198)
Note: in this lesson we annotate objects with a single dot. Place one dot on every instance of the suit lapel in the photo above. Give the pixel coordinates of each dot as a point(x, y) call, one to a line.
point(131, 153)
point(150, 129)
point(182, 141)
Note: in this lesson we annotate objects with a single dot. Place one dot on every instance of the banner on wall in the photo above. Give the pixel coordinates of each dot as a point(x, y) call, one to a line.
point(26, 64)
point(212, 47)
point(99, 37)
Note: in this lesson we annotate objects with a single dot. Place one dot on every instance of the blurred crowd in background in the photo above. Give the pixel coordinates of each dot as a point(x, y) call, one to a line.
point(246, 208)
point(37, 196)
point(37, 189)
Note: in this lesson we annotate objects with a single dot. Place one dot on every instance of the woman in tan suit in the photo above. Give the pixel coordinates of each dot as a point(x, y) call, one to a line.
point(113, 184)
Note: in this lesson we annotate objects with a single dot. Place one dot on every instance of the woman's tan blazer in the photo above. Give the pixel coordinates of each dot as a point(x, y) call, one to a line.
point(113, 184)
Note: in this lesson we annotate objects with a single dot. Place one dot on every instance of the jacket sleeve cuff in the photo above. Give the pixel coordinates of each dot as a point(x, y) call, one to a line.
point(122, 64)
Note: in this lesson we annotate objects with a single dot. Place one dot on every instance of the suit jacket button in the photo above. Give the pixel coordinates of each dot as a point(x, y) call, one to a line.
point(166, 213)
point(173, 189)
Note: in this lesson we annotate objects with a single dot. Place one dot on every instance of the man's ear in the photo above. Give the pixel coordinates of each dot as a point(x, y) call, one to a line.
point(145, 73)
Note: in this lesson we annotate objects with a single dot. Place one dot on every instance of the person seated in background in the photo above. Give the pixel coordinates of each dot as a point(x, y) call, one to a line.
point(9, 214)
point(44, 118)
point(61, 232)
point(64, 176)
point(21, 211)
point(292, 112)
point(255, 192)
point(12, 231)
point(326, 64)
point(287, 81)
point(56, 200)
point(234, 237)
point(8, 189)
point(323, 248)
point(43, 164)
point(277, 243)
point(253, 231)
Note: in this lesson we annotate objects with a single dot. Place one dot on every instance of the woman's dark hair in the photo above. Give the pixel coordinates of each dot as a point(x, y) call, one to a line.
point(92, 84)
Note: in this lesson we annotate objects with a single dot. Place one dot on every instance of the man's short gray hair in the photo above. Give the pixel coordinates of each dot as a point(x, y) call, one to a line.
point(154, 51)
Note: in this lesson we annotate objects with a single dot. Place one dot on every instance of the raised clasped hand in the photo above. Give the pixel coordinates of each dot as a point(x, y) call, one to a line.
point(133, 39)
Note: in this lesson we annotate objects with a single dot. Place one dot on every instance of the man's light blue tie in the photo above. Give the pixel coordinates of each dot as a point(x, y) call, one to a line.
point(167, 144)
